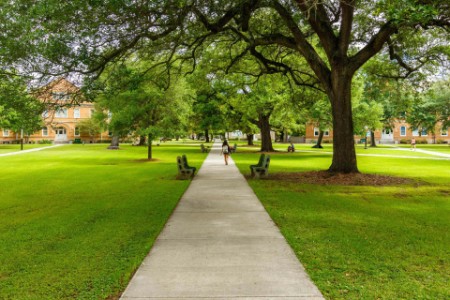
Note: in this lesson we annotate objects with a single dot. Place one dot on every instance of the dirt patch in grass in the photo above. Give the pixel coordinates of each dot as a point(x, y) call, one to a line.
point(326, 178)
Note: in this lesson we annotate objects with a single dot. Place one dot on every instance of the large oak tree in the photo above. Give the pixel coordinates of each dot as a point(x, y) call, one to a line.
point(334, 38)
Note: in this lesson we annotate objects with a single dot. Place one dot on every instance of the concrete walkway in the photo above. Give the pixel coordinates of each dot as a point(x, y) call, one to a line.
point(220, 243)
point(29, 150)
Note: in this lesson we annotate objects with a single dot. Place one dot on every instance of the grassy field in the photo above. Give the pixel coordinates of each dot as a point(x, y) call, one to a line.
point(77, 220)
point(364, 242)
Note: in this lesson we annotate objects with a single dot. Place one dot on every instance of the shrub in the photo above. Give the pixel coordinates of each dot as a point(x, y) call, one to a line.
point(441, 142)
point(422, 142)
point(405, 141)
point(45, 142)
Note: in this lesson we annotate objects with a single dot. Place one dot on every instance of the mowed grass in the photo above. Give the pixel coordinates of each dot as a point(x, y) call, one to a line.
point(364, 242)
point(77, 220)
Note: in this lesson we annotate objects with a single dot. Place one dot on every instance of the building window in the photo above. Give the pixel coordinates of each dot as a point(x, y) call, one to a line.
point(316, 131)
point(61, 113)
point(110, 133)
point(77, 131)
point(76, 113)
point(444, 132)
point(424, 132)
point(403, 131)
point(326, 132)
point(45, 114)
point(60, 96)
point(44, 131)
point(5, 132)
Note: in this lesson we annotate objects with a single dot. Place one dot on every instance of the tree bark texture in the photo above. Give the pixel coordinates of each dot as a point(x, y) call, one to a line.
point(250, 137)
point(372, 139)
point(207, 135)
point(149, 147)
point(266, 140)
point(114, 143)
point(344, 155)
point(141, 140)
point(319, 140)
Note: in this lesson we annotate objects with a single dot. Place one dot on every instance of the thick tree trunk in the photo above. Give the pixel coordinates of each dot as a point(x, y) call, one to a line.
point(285, 136)
point(319, 140)
point(207, 135)
point(149, 146)
point(141, 140)
point(266, 140)
point(372, 139)
point(250, 137)
point(114, 143)
point(344, 155)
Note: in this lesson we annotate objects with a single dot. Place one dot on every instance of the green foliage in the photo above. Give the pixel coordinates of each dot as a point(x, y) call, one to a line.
point(142, 99)
point(89, 127)
point(18, 109)
point(45, 141)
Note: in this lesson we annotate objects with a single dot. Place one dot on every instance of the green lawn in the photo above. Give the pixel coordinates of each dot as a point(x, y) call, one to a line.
point(362, 242)
point(77, 220)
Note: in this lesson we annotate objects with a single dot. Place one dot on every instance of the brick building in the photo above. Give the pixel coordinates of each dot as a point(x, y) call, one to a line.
point(401, 132)
point(60, 122)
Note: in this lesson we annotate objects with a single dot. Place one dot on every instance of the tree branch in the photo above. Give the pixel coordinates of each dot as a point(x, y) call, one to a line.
point(373, 46)
point(347, 8)
point(320, 22)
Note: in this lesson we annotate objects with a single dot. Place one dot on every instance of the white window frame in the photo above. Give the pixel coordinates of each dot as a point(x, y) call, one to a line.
point(326, 132)
point(76, 113)
point(415, 132)
point(44, 131)
point(6, 132)
point(402, 130)
point(316, 131)
point(61, 113)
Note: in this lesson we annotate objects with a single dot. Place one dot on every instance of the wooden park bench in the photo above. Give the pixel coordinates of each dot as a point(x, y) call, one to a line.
point(184, 170)
point(204, 148)
point(262, 168)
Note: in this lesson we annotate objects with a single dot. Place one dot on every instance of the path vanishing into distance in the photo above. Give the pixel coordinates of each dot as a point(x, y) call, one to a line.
point(220, 243)
point(29, 150)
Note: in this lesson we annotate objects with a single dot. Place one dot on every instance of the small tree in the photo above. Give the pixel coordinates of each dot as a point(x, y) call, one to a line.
point(90, 127)
point(19, 110)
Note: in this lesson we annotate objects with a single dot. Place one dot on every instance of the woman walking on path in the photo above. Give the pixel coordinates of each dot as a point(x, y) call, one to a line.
point(225, 151)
